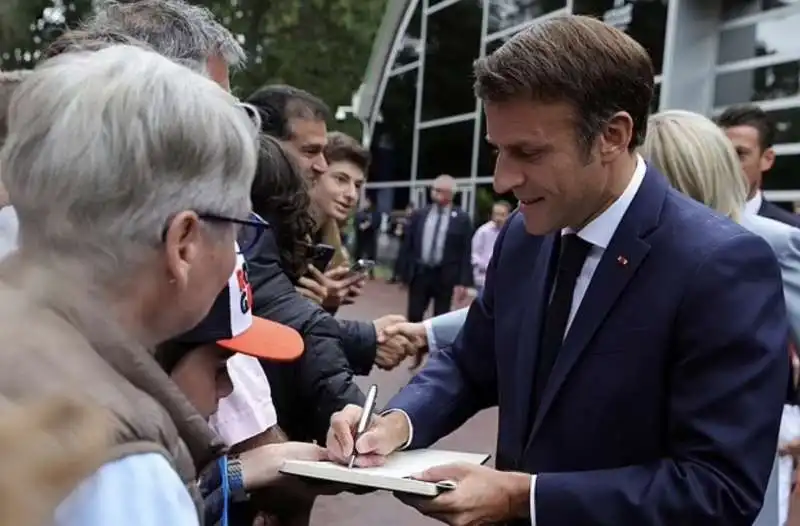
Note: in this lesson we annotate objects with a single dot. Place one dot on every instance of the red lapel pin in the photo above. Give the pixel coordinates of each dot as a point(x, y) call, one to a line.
point(622, 260)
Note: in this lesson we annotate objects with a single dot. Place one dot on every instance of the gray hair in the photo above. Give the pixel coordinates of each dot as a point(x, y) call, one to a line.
point(9, 80)
point(105, 147)
point(698, 159)
point(185, 33)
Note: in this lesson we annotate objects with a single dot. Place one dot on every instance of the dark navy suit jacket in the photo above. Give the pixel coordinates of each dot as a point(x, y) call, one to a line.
point(663, 406)
point(457, 255)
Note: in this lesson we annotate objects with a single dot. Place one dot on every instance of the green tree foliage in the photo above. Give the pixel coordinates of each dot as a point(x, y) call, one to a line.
point(318, 45)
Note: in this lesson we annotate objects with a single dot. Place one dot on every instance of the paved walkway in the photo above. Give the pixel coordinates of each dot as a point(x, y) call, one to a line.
point(477, 435)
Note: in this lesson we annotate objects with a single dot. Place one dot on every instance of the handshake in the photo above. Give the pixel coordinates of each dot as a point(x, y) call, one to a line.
point(399, 339)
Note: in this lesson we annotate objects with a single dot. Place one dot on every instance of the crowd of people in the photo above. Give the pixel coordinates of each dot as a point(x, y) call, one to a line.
point(172, 268)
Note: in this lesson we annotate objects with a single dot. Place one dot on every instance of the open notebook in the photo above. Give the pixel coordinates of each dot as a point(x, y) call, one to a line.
point(392, 476)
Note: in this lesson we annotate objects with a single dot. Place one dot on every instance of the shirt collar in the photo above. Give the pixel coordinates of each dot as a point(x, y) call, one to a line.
point(601, 229)
point(753, 205)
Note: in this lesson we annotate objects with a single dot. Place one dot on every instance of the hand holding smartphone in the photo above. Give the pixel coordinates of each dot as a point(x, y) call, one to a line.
point(362, 266)
point(321, 256)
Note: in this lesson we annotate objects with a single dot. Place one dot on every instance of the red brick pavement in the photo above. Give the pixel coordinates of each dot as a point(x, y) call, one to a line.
point(477, 435)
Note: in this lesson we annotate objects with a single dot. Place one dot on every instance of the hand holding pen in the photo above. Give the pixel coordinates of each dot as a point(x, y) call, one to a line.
point(366, 438)
point(365, 421)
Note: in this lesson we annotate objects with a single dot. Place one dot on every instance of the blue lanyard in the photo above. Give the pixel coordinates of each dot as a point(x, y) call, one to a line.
point(226, 490)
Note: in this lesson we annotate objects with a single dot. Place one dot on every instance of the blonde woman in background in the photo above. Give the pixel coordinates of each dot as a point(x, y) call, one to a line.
point(47, 448)
point(700, 161)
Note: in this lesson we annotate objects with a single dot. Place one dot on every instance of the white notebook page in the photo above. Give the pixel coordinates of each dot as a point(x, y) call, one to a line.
point(404, 463)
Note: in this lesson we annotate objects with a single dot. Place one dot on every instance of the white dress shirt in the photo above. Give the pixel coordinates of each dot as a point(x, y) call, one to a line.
point(753, 205)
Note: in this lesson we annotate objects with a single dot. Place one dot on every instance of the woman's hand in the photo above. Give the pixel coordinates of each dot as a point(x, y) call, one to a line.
point(338, 283)
point(312, 289)
point(260, 466)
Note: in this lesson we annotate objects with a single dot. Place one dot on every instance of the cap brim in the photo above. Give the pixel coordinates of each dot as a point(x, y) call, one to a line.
point(267, 340)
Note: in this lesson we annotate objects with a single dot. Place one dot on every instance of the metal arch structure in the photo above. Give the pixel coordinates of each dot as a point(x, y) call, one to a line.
point(384, 50)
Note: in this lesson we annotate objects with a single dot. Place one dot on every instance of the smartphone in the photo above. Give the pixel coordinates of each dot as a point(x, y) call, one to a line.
point(321, 256)
point(362, 266)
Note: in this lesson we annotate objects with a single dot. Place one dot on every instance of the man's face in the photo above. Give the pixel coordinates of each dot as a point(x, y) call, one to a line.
point(540, 160)
point(199, 258)
point(754, 161)
point(202, 376)
point(499, 215)
point(309, 137)
point(335, 192)
point(442, 193)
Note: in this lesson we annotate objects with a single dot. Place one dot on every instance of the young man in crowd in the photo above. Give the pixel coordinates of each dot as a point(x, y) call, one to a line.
point(753, 135)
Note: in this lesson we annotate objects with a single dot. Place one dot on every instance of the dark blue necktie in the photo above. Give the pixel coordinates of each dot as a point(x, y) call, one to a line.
point(570, 263)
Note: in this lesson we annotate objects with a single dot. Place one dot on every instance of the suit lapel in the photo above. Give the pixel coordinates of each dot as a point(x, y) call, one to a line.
point(618, 264)
point(530, 323)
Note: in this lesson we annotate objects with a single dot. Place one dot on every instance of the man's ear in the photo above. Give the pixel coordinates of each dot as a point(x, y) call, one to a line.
point(767, 160)
point(182, 246)
point(616, 137)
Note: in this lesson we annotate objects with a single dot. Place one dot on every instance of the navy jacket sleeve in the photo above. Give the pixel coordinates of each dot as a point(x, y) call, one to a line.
point(728, 382)
point(458, 381)
point(360, 344)
point(308, 391)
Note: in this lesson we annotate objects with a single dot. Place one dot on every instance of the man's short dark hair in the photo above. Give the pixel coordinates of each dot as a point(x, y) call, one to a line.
point(278, 103)
point(342, 147)
point(753, 116)
point(597, 69)
point(88, 40)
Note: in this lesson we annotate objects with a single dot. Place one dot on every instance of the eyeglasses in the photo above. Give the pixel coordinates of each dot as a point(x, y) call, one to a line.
point(249, 233)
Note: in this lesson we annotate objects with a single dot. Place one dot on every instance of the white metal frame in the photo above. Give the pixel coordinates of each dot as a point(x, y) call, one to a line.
point(401, 32)
point(786, 103)
point(761, 16)
point(444, 121)
point(404, 68)
point(792, 148)
point(438, 7)
point(522, 25)
point(476, 133)
point(423, 34)
point(783, 196)
point(469, 186)
point(756, 62)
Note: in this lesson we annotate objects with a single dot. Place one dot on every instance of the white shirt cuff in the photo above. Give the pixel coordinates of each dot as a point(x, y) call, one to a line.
point(410, 427)
point(429, 334)
point(533, 500)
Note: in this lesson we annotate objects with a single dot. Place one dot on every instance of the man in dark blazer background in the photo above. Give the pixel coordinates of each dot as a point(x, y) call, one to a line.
point(633, 339)
point(753, 135)
point(438, 243)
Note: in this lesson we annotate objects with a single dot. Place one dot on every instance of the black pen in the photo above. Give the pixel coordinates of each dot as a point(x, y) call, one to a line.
point(366, 419)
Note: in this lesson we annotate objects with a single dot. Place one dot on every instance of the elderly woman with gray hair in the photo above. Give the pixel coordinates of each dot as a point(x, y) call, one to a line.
point(130, 176)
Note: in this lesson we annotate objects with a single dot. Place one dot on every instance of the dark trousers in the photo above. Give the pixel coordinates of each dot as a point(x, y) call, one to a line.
point(426, 285)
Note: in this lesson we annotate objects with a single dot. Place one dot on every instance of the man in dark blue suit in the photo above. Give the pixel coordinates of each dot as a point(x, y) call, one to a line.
point(633, 339)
